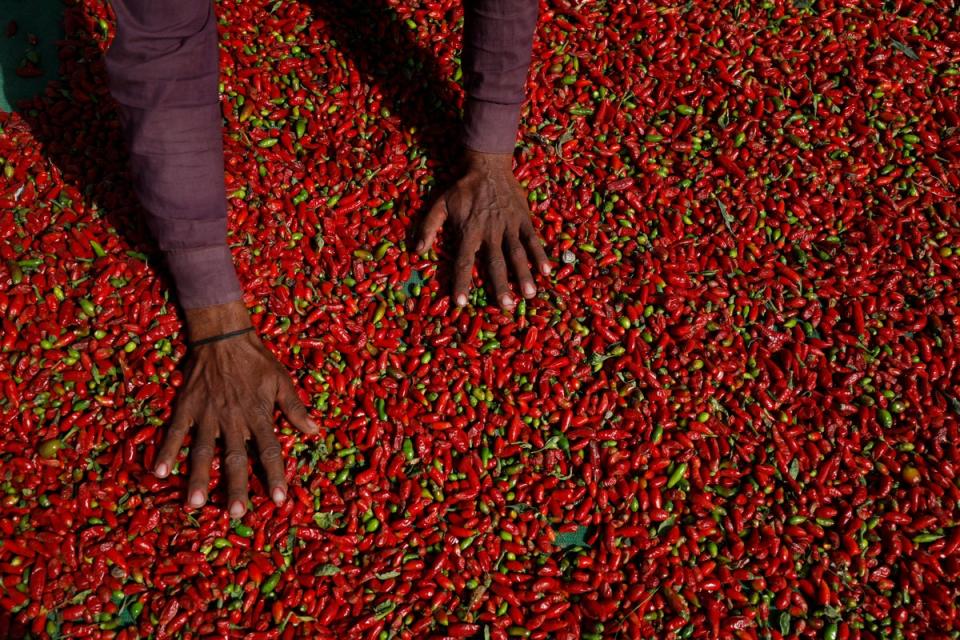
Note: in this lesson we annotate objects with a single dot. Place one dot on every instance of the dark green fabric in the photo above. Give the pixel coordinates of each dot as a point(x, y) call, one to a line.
point(43, 18)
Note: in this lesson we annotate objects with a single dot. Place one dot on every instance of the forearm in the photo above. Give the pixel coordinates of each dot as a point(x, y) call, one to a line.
point(497, 49)
point(163, 73)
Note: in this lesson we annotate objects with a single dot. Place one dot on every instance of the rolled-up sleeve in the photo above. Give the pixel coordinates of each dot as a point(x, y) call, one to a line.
point(163, 70)
point(497, 48)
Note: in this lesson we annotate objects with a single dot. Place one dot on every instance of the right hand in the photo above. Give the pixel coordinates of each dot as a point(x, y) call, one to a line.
point(230, 390)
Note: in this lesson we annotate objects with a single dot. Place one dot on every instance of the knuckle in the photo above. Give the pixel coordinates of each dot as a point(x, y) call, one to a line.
point(271, 453)
point(298, 412)
point(267, 388)
point(262, 408)
point(497, 263)
point(179, 426)
point(464, 229)
point(218, 406)
point(291, 404)
point(202, 452)
point(235, 458)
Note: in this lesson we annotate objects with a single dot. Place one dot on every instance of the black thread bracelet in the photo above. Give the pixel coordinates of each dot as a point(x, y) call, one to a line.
point(218, 338)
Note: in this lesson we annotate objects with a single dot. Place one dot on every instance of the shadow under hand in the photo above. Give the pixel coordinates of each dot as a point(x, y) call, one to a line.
point(78, 127)
point(387, 54)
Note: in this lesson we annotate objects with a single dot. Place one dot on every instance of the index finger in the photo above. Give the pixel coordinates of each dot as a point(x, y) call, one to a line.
point(292, 407)
point(432, 224)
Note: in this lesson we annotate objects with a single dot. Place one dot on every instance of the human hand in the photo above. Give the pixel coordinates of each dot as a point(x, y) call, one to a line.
point(489, 209)
point(230, 390)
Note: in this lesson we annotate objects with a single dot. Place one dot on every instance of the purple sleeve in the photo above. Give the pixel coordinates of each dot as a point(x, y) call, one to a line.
point(163, 71)
point(497, 47)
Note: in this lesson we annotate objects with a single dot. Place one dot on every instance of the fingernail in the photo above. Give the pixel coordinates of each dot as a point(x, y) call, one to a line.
point(420, 247)
point(545, 269)
point(461, 300)
point(313, 425)
point(529, 290)
point(278, 495)
point(236, 509)
point(506, 300)
point(196, 499)
point(161, 471)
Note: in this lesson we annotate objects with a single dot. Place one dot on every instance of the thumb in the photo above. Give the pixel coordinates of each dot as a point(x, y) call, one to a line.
point(293, 408)
point(432, 224)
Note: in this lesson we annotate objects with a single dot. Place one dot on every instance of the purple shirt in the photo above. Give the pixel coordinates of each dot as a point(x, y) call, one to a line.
point(164, 74)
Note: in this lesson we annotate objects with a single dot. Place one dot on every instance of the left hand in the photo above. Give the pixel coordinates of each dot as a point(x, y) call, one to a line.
point(230, 390)
point(489, 210)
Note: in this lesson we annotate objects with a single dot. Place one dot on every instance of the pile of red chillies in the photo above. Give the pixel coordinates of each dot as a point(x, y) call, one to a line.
point(731, 412)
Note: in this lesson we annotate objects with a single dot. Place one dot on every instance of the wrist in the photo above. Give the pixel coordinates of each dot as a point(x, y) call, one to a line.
point(213, 320)
point(488, 161)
